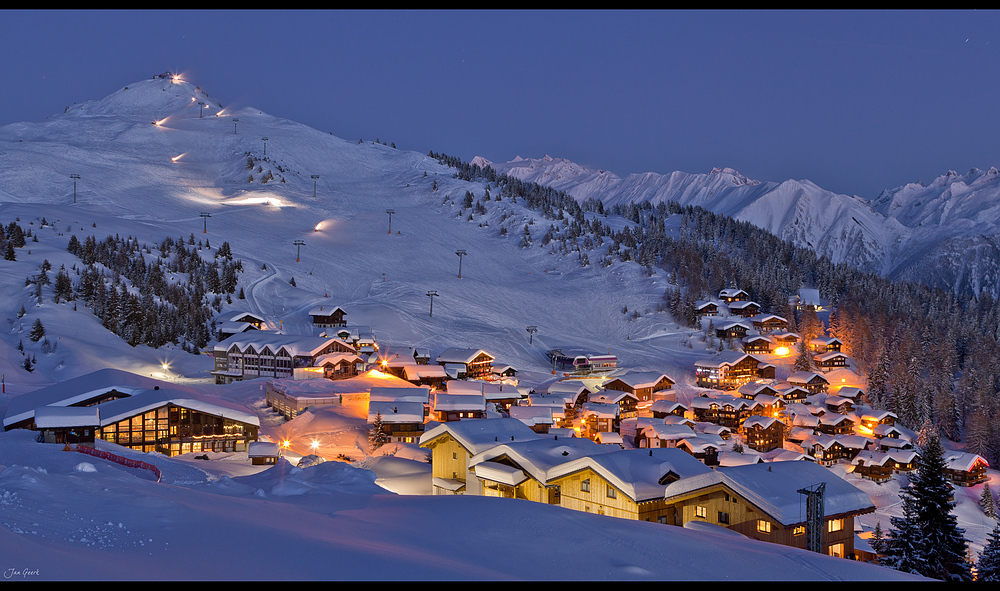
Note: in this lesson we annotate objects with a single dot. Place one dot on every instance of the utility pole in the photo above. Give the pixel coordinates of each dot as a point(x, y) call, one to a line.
point(460, 253)
point(264, 139)
point(235, 120)
point(531, 333)
point(298, 248)
point(314, 178)
point(432, 295)
point(390, 212)
point(205, 216)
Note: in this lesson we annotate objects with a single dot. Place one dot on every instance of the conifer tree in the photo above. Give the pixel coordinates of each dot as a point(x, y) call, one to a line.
point(37, 331)
point(986, 502)
point(376, 437)
point(988, 567)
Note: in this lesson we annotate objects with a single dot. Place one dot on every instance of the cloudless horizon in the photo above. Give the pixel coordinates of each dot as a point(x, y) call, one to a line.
point(856, 102)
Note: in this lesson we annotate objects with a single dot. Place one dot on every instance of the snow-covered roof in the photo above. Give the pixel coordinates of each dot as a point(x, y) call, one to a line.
point(140, 402)
point(724, 358)
point(643, 379)
point(295, 345)
point(540, 455)
point(423, 372)
point(773, 488)
point(324, 310)
point(396, 411)
point(51, 417)
point(962, 461)
point(400, 394)
point(532, 415)
point(481, 434)
point(460, 402)
point(454, 355)
point(760, 421)
point(82, 388)
point(263, 449)
point(636, 472)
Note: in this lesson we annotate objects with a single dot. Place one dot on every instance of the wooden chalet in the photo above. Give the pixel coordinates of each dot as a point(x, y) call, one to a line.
point(470, 364)
point(744, 309)
point(727, 371)
point(425, 375)
point(234, 323)
point(263, 453)
point(627, 403)
point(456, 407)
point(339, 366)
point(725, 410)
point(599, 418)
point(642, 385)
point(731, 330)
point(811, 381)
point(764, 433)
point(702, 449)
point(270, 354)
point(538, 418)
point(401, 421)
point(454, 444)
point(663, 435)
point(769, 323)
point(703, 309)
point(830, 361)
point(873, 465)
point(733, 295)
point(825, 344)
point(762, 501)
point(965, 469)
point(661, 409)
point(327, 316)
point(758, 344)
point(68, 424)
point(833, 423)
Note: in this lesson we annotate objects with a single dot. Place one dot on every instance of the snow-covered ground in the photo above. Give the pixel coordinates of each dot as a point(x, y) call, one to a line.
point(69, 516)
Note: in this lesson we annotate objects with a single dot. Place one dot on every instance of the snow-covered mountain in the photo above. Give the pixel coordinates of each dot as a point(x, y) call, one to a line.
point(944, 234)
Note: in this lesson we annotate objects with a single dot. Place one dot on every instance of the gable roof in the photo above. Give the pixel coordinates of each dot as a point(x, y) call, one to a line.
point(636, 472)
point(478, 435)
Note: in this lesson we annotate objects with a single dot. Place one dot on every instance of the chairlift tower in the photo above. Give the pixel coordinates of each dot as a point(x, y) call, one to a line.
point(460, 253)
point(432, 295)
point(390, 212)
point(531, 333)
point(75, 178)
point(205, 217)
point(298, 248)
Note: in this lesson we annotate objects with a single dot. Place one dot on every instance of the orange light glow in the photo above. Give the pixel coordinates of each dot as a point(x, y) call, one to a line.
point(176, 158)
point(781, 351)
point(318, 226)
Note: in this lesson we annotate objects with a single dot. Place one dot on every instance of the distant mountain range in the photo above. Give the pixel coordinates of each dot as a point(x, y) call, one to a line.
point(945, 234)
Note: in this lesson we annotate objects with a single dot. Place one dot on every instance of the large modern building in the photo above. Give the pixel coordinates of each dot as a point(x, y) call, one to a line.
point(133, 411)
point(259, 354)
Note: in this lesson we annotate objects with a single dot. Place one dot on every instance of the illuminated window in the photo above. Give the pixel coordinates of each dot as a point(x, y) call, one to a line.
point(836, 550)
point(764, 526)
point(701, 511)
point(835, 525)
point(799, 530)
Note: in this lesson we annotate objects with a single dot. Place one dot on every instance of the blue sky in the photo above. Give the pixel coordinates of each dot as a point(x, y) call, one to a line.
point(854, 101)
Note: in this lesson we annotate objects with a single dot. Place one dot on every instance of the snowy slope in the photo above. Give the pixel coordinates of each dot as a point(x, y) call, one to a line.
point(944, 234)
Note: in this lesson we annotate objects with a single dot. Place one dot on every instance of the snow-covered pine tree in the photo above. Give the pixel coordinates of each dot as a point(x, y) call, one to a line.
point(903, 547)
point(376, 437)
point(37, 331)
point(988, 567)
point(986, 502)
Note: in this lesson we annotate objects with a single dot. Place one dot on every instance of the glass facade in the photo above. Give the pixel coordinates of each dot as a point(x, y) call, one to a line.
point(174, 430)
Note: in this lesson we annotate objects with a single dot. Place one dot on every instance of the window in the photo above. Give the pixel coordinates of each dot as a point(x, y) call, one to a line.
point(799, 530)
point(701, 511)
point(763, 526)
point(836, 550)
point(612, 493)
point(585, 485)
point(723, 518)
point(835, 525)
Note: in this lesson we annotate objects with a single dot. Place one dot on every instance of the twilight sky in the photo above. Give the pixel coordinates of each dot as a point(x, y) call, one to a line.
point(853, 101)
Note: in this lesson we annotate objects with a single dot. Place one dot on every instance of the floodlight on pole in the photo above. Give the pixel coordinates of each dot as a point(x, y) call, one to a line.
point(531, 333)
point(432, 295)
point(460, 253)
point(298, 248)
point(75, 178)
point(314, 178)
point(390, 212)
point(264, 139)
point(205, 217)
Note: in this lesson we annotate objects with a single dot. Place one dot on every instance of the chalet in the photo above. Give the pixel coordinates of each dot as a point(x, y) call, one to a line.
point(811, 381)
point(454, 444)
point(889, 432)
point(466, 363)
point(758, 344)
point(744, 309)
point(829, 449)
point(751, 390)
point(703, 309)
point(425, 375)
point(731, 330)
point(808, 299)
point(538, 418)
point(903, 460)
point(504, 372)
point(456, 407)
point(857, 395)
point(833, 423)
point(360, 337)
point(519, 469)
point(234, 323)
point(627, 484)
point(728, 459)
point(703, 449)
point(664, 435)
point(873, 465)
point(766, 371)
point(498, 395)
point(338, 366)
point(642, 385)
point(764, 433)
point(68, 424)
point(965, 469)
point(421, 356)
point(727, 371)
point(628, 404)
point(768, 323)
point(327, 316)
point(831, 360)
point(838, 405)
point(401, 422)
point(733, 295)
point(263, 453)
point(790, 393)
point(610, 438)
point(599, 418)
point(825, 344)
point(270, 354)
point(661, 409)
point(763, 501)
point(723, 409)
